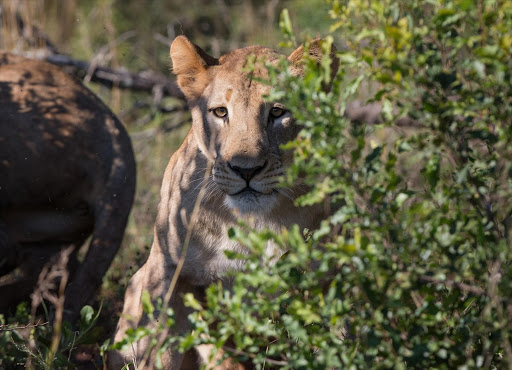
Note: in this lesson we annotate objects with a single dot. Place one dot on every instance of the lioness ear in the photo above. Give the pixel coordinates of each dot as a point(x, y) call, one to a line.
point(190, 64)
point(315, 51)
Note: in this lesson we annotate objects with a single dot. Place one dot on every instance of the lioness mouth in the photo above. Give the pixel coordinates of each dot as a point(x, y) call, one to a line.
point(247, 190)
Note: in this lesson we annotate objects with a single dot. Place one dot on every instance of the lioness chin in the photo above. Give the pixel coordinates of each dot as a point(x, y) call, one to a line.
point(236, 136)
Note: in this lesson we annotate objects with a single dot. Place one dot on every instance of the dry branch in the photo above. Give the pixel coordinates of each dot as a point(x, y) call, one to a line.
point(146, 81)
point(451, 283)
point(8, 327)
point(371, 114)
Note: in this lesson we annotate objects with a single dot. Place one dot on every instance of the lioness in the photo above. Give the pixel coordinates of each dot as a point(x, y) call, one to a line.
point(236, 134)
point(67, 171)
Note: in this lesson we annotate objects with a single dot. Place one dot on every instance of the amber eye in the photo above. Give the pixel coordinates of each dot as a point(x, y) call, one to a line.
point(277, 112)
point(221, 112)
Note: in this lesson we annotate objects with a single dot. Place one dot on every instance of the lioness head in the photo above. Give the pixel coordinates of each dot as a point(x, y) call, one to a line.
point(238, 131)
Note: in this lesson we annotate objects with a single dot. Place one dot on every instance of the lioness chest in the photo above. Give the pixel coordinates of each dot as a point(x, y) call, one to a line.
point(209, 240)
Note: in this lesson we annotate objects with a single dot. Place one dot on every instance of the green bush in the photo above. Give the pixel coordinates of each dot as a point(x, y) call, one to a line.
point(27, 343)
point(412, 269)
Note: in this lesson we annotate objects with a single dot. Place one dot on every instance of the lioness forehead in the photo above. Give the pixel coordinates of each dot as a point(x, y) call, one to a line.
point(232, 74)
point(236, 60)
point(239, 56)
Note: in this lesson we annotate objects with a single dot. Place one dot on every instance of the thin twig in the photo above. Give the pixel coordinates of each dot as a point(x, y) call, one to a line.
point(72, 346)
point(59, 312)
point(102, 53)
point(5, 327)
point(252, 355)
point(451, 283)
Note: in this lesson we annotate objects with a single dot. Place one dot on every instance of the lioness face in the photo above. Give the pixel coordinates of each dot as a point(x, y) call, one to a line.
point(242, 135)
point(236, 129)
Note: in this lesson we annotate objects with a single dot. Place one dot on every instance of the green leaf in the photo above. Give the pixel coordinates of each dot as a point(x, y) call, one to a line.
point(86, 314)
point(147, 305)
point(285, 25)
point(191, 301)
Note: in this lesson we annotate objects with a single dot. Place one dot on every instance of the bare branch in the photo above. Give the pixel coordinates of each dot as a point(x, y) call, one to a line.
point(145, 81)
point(371, 114)
point(451, 283)
point(251, 355)
point(5, 327)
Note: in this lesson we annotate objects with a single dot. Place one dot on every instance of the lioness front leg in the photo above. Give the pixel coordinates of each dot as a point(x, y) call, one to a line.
point(154, 277)
point(172, 358)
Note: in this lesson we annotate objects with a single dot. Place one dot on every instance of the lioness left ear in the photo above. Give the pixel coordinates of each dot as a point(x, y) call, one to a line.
point(316, 52)
point(190, 64)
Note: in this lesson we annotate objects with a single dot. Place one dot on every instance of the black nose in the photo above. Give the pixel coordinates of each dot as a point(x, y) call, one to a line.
point(247, 173)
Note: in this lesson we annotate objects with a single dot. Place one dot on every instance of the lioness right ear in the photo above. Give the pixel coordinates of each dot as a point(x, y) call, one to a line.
point(316, 52)
point(190, 64)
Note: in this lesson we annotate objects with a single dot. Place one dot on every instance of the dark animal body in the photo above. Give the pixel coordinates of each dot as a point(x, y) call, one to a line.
point(67, 171)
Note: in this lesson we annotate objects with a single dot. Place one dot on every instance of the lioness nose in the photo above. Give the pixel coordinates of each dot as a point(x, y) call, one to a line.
point(247, 173)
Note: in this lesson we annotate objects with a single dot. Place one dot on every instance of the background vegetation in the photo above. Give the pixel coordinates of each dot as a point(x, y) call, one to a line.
point(412, 270)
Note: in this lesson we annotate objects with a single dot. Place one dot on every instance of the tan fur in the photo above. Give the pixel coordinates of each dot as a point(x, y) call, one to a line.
point(242, 149)
point(66, 171)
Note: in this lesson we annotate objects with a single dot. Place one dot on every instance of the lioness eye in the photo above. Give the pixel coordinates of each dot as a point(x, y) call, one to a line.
point(220, 112)
point(277, 112)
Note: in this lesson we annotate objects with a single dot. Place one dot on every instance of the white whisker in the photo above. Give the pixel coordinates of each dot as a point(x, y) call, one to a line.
point(212, 191)
point(201, 180)
point(202, 183)
point(287, 193)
